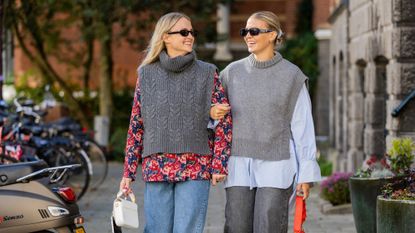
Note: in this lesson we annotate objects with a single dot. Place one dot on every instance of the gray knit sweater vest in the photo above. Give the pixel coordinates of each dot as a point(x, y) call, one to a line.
point(262, 96)
point(176, 97)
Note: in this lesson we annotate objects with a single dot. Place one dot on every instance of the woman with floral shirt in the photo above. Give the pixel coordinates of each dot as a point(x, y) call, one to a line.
point(168, 130)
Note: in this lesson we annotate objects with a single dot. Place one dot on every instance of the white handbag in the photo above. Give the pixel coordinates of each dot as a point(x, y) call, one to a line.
point(125, 212)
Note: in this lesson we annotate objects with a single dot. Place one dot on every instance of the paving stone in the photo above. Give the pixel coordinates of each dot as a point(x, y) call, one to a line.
point(96, 207)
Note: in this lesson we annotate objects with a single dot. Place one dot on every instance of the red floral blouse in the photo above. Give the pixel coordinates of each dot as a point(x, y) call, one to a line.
point(183, 166)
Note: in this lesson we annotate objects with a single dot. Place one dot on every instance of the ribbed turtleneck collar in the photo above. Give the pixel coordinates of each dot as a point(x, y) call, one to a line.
point(176, 64)
point(264, 64)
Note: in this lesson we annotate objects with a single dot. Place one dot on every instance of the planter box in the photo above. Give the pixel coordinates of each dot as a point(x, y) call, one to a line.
point(363, 195)
point(395, 216)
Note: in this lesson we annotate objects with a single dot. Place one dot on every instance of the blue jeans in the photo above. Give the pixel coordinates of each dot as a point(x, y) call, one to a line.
point(176, 207)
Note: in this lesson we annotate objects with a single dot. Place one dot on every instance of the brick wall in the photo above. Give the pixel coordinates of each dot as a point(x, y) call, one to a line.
point(321, 14)
point(126, 59)
point(240, 11)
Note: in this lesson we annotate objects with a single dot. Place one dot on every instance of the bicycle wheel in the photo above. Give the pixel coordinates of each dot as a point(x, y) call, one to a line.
point(78, 178)
point(99, 163)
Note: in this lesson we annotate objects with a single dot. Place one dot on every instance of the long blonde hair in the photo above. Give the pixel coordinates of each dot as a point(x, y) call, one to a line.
point(273, 22)
point(156, 45)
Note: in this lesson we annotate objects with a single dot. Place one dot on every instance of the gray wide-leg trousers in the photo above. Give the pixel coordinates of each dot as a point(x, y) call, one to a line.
point(258, 210)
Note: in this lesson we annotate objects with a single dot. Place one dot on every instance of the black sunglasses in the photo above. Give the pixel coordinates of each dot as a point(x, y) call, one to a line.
point(253, 31)
point(184, 32)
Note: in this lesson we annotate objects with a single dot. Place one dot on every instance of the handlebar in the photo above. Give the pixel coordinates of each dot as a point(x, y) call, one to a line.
point(28, 111)
point(54, 177)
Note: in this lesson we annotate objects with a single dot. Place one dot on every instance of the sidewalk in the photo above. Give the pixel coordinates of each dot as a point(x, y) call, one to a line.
point(96, 207)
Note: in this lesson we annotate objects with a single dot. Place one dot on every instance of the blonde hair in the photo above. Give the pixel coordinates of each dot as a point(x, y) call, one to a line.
point(273, 23)
point(156, 45)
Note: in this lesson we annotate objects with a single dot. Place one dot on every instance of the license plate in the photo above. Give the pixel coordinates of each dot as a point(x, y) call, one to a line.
point(79, 230)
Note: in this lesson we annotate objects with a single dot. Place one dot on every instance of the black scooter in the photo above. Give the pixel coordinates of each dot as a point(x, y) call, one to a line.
point(29, 203)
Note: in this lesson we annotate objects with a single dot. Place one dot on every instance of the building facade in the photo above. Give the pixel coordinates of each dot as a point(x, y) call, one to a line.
point(372, 71)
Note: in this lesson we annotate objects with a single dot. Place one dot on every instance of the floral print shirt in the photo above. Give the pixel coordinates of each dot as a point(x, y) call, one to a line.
point(184, 166)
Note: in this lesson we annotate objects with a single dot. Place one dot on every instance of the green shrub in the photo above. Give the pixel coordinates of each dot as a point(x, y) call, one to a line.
point(401, 155)
point(302, 51)
point(117, 144)
point(326, 167)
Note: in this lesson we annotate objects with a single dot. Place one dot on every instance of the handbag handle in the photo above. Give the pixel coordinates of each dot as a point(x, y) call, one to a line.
point(121, 194)
point(300, 214)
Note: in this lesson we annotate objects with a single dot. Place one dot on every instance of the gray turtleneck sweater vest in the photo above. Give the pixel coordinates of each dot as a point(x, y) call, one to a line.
point(175, 102)
point(262, 96)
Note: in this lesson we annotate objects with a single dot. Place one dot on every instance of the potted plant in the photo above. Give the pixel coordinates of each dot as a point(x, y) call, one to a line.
point(365, 186)
point(396, 207)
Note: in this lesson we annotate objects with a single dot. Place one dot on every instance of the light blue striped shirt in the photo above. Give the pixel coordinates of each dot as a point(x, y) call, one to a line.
point(302, 165)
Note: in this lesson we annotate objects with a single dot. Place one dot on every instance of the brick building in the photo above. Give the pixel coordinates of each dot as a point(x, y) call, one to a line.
point(126, 59)
point(230, 46)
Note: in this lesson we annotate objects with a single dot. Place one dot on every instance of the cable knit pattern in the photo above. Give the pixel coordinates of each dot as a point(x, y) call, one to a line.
point(176, 98)
point(184, 166)
point(257, 90)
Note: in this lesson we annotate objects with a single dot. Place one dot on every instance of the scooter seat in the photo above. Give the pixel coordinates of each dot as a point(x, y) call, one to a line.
point(11, 172)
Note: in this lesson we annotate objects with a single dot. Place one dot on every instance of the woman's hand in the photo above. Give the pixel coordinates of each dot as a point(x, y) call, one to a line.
point(218, 111)
point(303, 190)
point(125, 185)
point(216, 178)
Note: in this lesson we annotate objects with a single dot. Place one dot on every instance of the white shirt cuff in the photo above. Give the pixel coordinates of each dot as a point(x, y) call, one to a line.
point(309, 172)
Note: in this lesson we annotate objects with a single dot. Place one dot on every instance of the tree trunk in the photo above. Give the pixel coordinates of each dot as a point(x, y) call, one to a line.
point(50, 74)
point(89, 37)
point(87, 66)
point(105, 95)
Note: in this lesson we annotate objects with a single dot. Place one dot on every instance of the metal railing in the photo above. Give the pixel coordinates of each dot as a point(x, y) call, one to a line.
point(404, 102)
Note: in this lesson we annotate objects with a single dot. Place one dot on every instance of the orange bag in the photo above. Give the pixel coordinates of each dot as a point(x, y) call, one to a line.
point(299, 215)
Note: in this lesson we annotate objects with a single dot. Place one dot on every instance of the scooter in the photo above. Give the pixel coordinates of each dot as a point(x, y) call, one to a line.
point(28, 203)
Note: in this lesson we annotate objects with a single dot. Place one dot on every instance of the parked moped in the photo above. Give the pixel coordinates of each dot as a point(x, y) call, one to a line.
point(29, 203)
